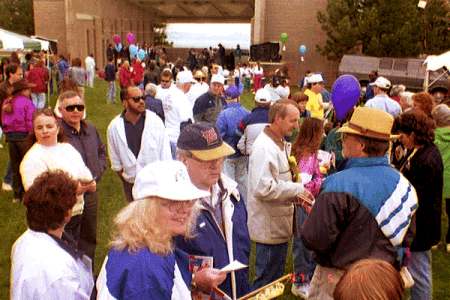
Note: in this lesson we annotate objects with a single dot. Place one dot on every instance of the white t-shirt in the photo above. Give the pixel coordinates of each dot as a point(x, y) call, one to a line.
point(177, 109)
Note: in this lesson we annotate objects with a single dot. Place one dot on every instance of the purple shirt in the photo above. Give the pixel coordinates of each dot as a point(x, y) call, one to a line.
point(21, 117)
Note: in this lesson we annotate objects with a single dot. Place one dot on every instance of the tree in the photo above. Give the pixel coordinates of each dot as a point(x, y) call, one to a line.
point(384, 27)
point(160, 36)
point(17, 16)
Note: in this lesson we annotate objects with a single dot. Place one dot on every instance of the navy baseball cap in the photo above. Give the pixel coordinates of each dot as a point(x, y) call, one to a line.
point(232, 92)
point(203, 140)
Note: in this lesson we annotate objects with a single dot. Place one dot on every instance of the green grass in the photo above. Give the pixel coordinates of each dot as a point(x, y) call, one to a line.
point(12, 220)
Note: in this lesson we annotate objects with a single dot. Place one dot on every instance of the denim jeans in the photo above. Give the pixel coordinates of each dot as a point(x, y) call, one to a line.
point(270, 261)
point(304, 264)
point(111, 95)
point(8, 175)
point(420, 269)
point(38, 100)
point(236, 169)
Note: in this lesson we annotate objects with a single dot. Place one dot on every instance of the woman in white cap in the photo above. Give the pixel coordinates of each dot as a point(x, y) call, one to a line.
point(143, 263)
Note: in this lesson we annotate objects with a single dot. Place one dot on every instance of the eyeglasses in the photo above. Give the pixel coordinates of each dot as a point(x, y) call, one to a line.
point(136, 99)
point(71, 108)
point(178, 206)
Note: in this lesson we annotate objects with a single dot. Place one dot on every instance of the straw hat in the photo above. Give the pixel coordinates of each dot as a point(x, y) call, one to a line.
point(370, 122)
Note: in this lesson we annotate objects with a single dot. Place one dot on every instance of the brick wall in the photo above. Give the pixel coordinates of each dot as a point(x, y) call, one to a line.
point(299, 20)
point(82, 27)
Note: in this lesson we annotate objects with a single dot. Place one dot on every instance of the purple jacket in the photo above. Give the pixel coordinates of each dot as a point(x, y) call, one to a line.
point(21, 117)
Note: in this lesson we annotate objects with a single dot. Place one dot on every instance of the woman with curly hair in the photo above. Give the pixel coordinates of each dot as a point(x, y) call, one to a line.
point(45, 261)
point(143, 262)
point(424, 169)
point(423, 101)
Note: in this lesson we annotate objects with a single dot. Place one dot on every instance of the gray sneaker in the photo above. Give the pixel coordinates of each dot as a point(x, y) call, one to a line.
point(300, 290)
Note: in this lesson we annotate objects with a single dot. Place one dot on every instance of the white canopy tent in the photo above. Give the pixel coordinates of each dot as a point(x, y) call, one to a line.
point(436, 63)
point(13, 41)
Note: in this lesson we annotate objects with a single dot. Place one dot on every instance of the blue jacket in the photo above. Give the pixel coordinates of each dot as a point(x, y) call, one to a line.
point(363, 211)
point(156, 106)
point(228, 122)
point(144, 275)
point(209, 240)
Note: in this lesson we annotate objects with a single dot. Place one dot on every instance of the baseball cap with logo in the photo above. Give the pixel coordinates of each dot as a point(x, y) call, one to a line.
point(382, 83)
point(204, 142)
point(262, 96)
point(218, 79)
point(166, 179)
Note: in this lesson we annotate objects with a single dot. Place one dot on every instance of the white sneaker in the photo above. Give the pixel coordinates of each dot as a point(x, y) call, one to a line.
point(300, 290)
point(6, 187)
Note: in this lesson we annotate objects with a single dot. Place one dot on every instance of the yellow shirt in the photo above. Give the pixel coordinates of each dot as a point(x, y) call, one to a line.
point(313, 104)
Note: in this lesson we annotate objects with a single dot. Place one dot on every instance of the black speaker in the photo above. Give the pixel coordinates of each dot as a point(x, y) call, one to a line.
point(265, 52)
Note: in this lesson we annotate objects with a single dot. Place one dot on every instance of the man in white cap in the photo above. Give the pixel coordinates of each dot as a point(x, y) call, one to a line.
point(252, 125)
point(381, 100)
point(208, 106)
point(177, 107)
point(315, 101)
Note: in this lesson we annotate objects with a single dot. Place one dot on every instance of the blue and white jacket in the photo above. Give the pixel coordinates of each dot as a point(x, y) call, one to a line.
point(363, 211)
point(144, 275)
point(225, 246)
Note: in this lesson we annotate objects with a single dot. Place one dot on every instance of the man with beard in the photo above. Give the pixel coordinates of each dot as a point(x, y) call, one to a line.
point(136, 138)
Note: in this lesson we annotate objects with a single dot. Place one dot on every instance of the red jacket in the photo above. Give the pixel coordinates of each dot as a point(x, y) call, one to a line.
point(138, 73)
point(38, 76)
point(125, 77)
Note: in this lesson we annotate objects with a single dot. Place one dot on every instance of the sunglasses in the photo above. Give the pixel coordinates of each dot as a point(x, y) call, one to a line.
point(71, 108)
point(200, 78)
point(136, 99)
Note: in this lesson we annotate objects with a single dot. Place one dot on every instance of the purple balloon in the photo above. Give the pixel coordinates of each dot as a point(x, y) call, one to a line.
point(345, 94)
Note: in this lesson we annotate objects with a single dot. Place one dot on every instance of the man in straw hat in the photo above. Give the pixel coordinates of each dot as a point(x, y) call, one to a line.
point(221, 229)
point(365, 210)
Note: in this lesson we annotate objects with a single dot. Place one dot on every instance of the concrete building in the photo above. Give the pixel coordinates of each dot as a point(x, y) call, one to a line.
point(82, 27)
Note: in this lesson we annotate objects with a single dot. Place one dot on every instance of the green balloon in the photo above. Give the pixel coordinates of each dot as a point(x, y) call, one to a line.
point(284, 37)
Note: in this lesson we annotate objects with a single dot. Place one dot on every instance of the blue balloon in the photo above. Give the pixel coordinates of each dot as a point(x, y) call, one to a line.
point(141, 54)
point(345, 94)
point(302, 49)
point(133, 50)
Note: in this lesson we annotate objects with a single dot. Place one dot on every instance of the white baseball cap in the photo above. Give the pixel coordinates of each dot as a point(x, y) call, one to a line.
point(262, 96)
point(166, 179)
point(382, 83)
point(282, 91)
point(218, 78)
point(185, 77)
point(314, 78)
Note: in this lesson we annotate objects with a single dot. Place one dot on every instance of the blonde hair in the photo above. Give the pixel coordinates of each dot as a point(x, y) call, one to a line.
point(138, 225)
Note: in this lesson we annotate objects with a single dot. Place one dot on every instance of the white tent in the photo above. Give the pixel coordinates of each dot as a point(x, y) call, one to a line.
point(435, 62)
point(14, 41)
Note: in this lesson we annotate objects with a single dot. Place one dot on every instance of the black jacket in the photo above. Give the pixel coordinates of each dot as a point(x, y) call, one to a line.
point(425, 172)
point(89, 145)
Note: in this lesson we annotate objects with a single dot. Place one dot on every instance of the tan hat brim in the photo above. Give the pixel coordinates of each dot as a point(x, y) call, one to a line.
point(223, 151)
point(346, 129)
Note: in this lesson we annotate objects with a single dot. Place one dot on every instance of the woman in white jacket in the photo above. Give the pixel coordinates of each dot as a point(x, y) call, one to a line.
point(50, 153)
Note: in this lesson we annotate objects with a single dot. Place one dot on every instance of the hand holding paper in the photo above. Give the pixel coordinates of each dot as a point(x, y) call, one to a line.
point(233, 266)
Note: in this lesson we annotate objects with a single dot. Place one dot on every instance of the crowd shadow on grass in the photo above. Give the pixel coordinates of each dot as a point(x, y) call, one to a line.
point(111, 200)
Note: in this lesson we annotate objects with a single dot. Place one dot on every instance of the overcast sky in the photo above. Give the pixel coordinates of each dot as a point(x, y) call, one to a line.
point(187, 35)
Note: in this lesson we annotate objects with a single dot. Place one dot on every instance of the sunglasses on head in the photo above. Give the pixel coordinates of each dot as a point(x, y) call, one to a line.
point(71, 108)
point(137, 98)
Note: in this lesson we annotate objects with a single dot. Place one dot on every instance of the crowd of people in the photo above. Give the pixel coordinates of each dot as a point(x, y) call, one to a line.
point(204, 178)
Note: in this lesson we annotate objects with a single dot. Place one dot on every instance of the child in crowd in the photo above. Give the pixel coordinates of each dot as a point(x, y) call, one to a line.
point(305, 151)
point(370, 279)
point(301, 99)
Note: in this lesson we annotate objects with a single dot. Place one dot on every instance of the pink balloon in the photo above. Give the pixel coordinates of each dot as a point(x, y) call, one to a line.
point(131, 39)
point(116, 39)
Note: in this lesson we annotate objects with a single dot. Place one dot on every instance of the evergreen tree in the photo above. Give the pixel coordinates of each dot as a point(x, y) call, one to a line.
point(17, 16)
point(395, 28)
